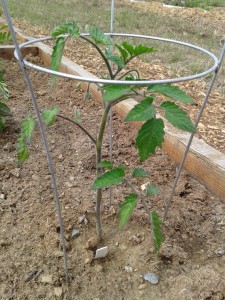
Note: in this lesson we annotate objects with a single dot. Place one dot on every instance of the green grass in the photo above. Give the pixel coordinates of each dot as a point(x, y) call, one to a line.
point(205, 4)
point(128, 19)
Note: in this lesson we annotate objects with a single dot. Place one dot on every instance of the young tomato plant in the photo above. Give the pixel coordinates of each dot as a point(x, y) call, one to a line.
point(149, 136)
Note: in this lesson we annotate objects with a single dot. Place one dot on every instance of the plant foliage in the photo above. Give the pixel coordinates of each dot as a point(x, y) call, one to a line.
point(151, 134)
point(114, 176)
point(126, 210)
point(157, 234)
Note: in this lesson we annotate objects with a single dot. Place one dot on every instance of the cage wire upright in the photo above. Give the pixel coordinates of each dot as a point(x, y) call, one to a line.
point(43, 135)
point(23, 64)
point(110, 114)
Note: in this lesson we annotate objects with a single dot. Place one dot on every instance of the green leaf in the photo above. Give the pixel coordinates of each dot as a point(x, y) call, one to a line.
point(70, 28)
point(4, 91)
point(126, 210)
point(56, 56)
point(5, 37)
point(2, 123)
point(135, 50)
point(4, 110)
point(152, 190)
point(77, 115)
point(114, 176)
point(49, 115)
point(99, 37)
point(150, 136)
point(115, 59)
point(27, 128)
point(157, 234)
point(129, 48)
point(177, 117)
point(123, 52)
point(22, 149)
point(139, 172)
point(141, 49)
point(170, 91)
point(105, 164)
point(115, 91)
point(142, 111)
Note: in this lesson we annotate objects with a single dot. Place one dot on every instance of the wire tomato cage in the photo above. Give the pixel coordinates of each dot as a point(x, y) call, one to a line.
point(213, 69)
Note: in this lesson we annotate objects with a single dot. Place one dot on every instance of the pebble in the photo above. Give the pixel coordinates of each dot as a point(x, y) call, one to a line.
point(15, 172)
point(82, 219)
point(152, 278)
point(46, 279)
point(69, 184)
point(2, 197)
point(87, 261)
point(75, 233)
point(142, 286)
point(220, 252)
point(58, 291)
point(9, 147)
point(72, 178)
point(101, 252)
point(35, 177)
point(128, 269)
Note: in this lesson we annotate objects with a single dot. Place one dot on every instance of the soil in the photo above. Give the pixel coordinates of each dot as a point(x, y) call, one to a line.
point(191, 264)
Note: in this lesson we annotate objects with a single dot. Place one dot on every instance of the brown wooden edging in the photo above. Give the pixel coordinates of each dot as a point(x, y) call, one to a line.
point(204, 163)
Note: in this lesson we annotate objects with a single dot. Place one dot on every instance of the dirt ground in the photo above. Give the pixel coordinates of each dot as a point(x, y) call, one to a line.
point(192, 261)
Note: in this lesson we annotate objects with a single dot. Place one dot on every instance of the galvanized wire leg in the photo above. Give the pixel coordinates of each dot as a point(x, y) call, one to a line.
point(192, 135)
point(43, 135)
point(110, 113)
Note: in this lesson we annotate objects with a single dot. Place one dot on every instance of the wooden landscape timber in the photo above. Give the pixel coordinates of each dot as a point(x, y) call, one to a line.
point(7, 52)
point(204, 163)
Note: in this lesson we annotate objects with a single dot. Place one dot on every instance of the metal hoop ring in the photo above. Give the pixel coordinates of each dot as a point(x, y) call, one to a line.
point(125, 82)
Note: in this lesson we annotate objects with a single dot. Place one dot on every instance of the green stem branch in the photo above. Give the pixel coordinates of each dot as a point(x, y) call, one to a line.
point(102, 55)
point(98, 169)
point(78, 125)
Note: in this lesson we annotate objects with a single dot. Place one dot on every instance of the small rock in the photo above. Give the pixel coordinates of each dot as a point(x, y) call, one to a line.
point(46, 279)
point(58, 291)
point(75, 233)
point(72, 178)
point(2, 197)
point(220, 252)
point(15, 172)
point(87, 261)
point(35, 177)
point(69, 184)
point(152, 278)
point(135, 239)
point(123, 247)
point(9, 147)
point(4, 243)
point(82, 219)
point(128, 269)
point(2, 165)
point(101, 252)
point(142, 286)
point(30, 275)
